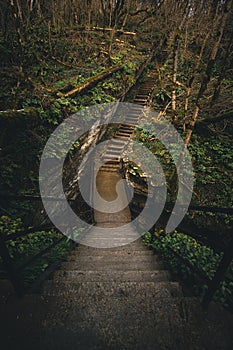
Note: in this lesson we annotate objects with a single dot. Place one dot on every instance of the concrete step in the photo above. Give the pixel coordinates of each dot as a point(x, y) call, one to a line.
point(111, 252)
point(133, 121)
point(112, 266)
point(122, 134)
point(138, 323)
point(112, 162)
point(133, 114)
point(136, 109)
point(112, 258)
point(132, 117)
point(145, 90)
point(112, 276)
point(111, 159)
point(131, 247)
point(121, 143)
point(142, 95)
point(113, 289)
point(108, 170)
point(110, 238)
point(127, 129)
point(114, 151)
point(127, 126)
point(123, 131)
point(110, 166)
point(140, 100)
point(116, 147)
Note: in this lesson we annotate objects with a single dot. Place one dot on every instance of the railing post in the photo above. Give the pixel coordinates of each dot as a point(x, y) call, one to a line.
point(219, 274)
point(92, 187)
point(7, 261)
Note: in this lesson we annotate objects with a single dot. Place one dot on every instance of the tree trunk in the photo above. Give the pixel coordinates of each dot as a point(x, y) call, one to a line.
point(225, 65)
point(92, 81)
point(175, 67)
point(208, 71)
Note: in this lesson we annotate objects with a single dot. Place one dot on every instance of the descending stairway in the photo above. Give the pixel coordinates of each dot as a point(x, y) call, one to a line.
point(117, 298)
point(120, 298)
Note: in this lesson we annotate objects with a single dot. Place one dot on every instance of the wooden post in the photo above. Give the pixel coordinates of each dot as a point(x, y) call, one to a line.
point(218, 277)
point(7, 261)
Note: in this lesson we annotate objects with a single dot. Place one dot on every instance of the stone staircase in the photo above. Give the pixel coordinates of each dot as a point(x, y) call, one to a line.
point(120, 298)
point(115, 298)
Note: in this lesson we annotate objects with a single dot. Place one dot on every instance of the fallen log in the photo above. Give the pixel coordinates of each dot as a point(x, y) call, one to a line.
point(13, 118)
point(218, 118)
point(202, 125)
point(120, 31)
point(12, 122)
point(89, 83)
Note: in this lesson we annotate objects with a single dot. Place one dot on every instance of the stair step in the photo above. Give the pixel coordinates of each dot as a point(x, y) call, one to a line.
point(142, 96)
point(114, 151)
point(115, 265)
point(116, 147)
point(132, 117)
point(110, 252)
point(109, 169)
point(127, 129)
point(113, 289)
point(108, 159)
point(143, 100)
point(133, 114)
point(124, 131)
point(114, 276)
point(106, 170)
point(132, 246)
point(112, 162)
point(136, 109)
point(135, 121)
point(112, 258)
point(122, 134)
point(138, 323)
point(111, 166)
point(119, 142)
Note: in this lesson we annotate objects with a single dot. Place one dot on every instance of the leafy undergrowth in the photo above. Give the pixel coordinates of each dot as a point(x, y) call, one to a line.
point(24, 248)
point(212, 160)
point(201, 258)
point(53, 63)
point(56, 65)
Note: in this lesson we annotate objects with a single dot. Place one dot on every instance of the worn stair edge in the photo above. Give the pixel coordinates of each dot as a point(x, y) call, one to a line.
point(115, 289)
point(80, 253)
point(116, 276)
point(123, 258)
point(116, 266)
